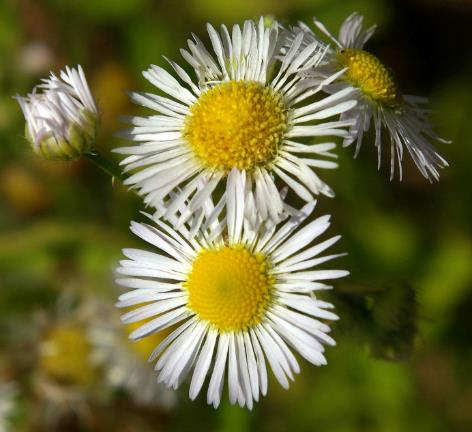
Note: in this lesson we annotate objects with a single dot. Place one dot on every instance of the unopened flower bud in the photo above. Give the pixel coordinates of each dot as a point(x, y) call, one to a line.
point(61, 116)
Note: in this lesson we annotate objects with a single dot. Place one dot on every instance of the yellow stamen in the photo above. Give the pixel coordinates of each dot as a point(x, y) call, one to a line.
point(236, 124)
point(374, 79)
point(65, 355)
point(230, 287)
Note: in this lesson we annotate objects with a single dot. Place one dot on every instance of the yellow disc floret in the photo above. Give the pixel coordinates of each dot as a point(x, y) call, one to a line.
point(236, 124)
point(65, 355)
point(230, 287)
point(369, 74)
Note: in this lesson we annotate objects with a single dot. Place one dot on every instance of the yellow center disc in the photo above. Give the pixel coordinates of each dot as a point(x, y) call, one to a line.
point(236, 124)
point(368, 73)
point(65, 355)
point(230, 287)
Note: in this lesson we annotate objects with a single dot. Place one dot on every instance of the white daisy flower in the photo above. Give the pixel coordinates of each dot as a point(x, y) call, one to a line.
point(61, 115)
point(380, 100)
point(252, 108)
point(239, 297)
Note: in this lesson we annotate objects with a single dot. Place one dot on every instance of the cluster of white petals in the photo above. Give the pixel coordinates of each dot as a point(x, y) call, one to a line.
point(166, 169)
point(230, 146)
point(295, 319)
point(61, 115)
point(405, 123)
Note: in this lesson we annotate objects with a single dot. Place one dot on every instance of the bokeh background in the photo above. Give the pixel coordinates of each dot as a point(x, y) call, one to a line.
point(404, 357)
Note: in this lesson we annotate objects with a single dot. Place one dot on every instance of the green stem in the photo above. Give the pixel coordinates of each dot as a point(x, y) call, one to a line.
point(106, 165)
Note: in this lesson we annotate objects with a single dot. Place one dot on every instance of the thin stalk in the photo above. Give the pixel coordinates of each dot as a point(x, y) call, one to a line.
point(106, 165)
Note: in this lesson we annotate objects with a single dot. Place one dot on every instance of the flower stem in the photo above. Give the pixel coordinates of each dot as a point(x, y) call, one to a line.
point(106, 165)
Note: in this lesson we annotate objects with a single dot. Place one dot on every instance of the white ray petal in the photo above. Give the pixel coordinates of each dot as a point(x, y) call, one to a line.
point(203, 364)
point(216, 380)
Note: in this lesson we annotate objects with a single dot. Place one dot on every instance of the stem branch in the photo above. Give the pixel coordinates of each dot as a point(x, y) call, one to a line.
point(106, 165)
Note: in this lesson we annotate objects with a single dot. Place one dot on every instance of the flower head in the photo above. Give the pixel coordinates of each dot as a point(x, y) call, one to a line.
point(252, 107)
point(61, 116)
point(380, 100)
point(236, 295)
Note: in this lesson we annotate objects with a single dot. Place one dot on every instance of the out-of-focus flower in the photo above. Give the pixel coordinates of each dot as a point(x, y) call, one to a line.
point(238, 295)
point(66, 376)
point(124, 363)
point(252, 108)
point(61, 116)
point(380, 100)
point(65, 355)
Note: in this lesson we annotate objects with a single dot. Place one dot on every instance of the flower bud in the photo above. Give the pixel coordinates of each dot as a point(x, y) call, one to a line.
point(61, 116)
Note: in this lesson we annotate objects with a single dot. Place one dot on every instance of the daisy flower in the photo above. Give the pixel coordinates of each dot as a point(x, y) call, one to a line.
point(251, 108)
point(379, 99)
point(61, 115)
point(239, 297)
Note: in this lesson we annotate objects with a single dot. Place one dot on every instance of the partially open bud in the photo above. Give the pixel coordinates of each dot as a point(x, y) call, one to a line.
point(61, 116)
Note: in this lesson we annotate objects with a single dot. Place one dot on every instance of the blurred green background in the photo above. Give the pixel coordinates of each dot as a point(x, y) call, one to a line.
point(404, 358)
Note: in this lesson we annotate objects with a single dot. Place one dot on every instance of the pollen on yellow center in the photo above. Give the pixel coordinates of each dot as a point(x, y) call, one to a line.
point(374, 79)
point(230, 287)
point(236, 124)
